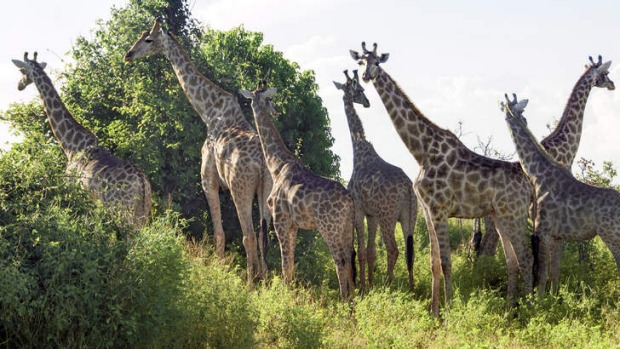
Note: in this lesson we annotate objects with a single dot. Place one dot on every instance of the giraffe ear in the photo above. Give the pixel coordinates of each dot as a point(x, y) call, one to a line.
point(42, 65)
point(270, 92)
point(521, 104)
point(384, 57)
point(605, 66)
point(339, 85)
point(19, 63)
point(156, 26)
point(356, 56)
point(247, 94)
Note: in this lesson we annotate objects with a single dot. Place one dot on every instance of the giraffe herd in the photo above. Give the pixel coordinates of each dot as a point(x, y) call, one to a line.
point(453, 180)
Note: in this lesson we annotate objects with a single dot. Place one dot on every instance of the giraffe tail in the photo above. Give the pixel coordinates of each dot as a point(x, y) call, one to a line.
point(413, 216)
point(265, 230)
point(535, 251)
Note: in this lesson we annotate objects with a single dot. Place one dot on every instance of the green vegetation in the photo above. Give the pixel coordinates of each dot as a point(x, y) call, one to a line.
point(75, 277)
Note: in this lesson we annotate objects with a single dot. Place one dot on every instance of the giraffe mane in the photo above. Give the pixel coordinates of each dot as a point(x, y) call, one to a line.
point(526, 129)
point(410, 105)
point(187, 57)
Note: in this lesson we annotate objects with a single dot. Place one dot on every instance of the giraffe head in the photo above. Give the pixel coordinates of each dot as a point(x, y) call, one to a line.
point(369, 61)
point(514, 109)
point(261, 98)
point(353, 90)
point(600, 72)
point(150, 43)
point(29, 69)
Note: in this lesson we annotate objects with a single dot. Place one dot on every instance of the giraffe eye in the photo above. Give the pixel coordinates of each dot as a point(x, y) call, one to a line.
point(148, 41)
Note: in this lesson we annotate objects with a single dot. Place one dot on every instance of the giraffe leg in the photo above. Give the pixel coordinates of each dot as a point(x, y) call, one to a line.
point(210, 185)
point(287, 235)
point(612, 240)
point(435, 262)
point(340, 248)
point(442, 236)
point(555, 256)
point(371, 249)
point(544, 254)
point(387, 232)
point(361, 244)
point(243, 204)
point(518, 252)
point(488, 244)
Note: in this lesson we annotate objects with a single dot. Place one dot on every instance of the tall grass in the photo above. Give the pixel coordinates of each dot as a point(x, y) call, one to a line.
point(75, 277)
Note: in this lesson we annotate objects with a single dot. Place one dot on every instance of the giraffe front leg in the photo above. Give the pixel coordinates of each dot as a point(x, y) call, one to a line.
point(210, 185)
point(518, 252)
point(443, 243)
point(543, 251)
point(371, 249)
point(243, 203)
point(387, 232)
point(555, 256)
point(340, 244)
point(287, 235)
point(435, 262)
point(488, 244)
point(361, 246)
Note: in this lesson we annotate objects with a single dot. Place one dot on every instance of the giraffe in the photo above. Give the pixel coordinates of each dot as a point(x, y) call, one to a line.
point(381, 191)
point(301, 199)
point(567, 208)
point(231, 155)
point(456, 182)
point(115, 182)
point(563, 142)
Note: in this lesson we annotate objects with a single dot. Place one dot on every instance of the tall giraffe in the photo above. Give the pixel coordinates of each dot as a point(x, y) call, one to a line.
point(567, 208)
point(117, 183)
point(563, 142)
point(456, 182)
point(301, 199)
point(381, 192)
point(231, 155)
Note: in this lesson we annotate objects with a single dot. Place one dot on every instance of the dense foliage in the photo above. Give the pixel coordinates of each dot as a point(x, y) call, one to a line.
point(73, 276)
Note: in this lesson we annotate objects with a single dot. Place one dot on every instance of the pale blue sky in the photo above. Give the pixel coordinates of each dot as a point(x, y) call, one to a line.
point(455, 59)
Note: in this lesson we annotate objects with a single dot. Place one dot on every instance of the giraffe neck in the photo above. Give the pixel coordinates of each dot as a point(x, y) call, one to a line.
point(363, 150)
point(417, 132)
point(563, 142)
point(539, 166)
point(72, 136)
point(277, 155)
point(218, 109)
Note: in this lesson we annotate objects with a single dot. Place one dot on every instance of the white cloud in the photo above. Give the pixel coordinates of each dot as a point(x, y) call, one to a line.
point(259, 15)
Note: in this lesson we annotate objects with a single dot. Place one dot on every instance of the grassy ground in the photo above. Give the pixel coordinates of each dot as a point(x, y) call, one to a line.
point(583, 313)
point(68, 282)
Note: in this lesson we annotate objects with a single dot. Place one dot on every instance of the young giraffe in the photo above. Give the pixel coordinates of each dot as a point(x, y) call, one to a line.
point(115, 182)
point(381, 192)
point(567, 209)
point(301, 199)
point(563, 142)
point(456, 182)
point(231, 155)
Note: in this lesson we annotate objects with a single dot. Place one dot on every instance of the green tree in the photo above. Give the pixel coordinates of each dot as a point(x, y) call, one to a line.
point(600, 178)
point(139, 111)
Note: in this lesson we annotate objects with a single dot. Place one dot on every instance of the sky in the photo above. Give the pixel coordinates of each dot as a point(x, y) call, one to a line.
point(454, 59)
